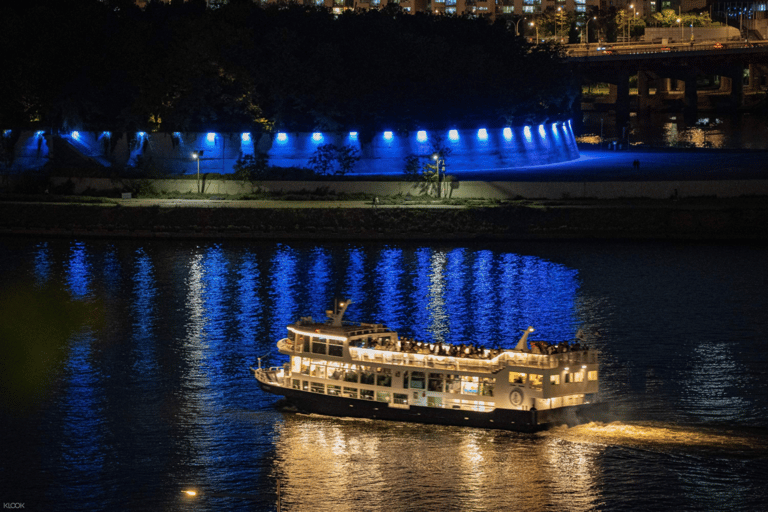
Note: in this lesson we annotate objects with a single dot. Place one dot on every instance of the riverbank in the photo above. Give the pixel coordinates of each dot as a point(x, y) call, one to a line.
point(743, 219)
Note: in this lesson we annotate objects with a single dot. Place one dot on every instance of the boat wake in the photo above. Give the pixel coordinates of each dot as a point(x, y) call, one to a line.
point(660, 437)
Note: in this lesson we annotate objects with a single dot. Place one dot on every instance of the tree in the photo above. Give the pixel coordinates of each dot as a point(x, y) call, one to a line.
point(331, 159)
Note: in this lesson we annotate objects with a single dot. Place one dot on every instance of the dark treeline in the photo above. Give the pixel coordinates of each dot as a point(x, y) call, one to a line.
point(90, 65)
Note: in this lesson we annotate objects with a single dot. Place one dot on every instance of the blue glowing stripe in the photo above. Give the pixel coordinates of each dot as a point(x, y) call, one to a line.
point(453, 135)
point(317, 137)
point(421, 136)
point(282, 137)
point(482, 134)
point(245, 137)
point(507, 133)
point(388, 135)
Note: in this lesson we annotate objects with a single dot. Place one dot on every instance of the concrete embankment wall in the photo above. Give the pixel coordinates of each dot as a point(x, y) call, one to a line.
point(665, 220)
point(456, 190)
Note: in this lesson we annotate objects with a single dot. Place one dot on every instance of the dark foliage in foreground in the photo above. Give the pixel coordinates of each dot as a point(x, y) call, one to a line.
point(91, 65)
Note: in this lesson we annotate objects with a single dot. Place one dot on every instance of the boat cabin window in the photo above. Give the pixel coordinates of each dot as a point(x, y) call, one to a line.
point(452, 384)
point(487, 387)
point(334, 390)
point(351, 375)
point(335, 348)
point(400, 398)
point(382, 396)
point(417, 380)
point(554, 380)
point(305, 341)
point(517, 377)
point(435, 382)
point(366, 394)
point(317, 370)
point(535, 380)
point(305, 366)
point(469, 385)
point(318, 346)
point(350, 392)
point(383, 377)
point(366, 375)
point(592, 375)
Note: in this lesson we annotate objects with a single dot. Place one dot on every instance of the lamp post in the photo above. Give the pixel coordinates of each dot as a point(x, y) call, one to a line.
point(586, 26)
point(680, 22)
point(537, 31)
point(557, 23)
point(197, 155)
point(438, 161)
point(517, 24)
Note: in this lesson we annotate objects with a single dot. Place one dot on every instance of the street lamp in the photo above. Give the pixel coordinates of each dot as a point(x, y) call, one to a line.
point(533, 24)
point(197, 155)
point(517, 23)
point(586, 26)
point(438, 161)
point(557, 24)
point(680, 22)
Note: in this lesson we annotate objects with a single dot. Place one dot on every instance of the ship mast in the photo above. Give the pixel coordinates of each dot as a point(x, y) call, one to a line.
point(339, 308)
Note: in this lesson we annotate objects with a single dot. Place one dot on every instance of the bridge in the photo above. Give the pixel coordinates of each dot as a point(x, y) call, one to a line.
point(672, 73)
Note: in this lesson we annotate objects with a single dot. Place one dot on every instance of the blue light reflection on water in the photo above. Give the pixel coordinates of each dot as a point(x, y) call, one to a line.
point(162, 395)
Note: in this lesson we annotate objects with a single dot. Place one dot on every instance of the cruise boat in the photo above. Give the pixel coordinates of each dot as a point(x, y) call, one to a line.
point(364, 370)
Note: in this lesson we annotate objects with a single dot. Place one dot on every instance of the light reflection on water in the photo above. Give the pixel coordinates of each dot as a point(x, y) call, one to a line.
point(160, 397)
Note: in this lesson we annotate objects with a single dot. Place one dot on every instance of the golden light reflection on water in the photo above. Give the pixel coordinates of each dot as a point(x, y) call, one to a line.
point(340, 465)
point(662, 437)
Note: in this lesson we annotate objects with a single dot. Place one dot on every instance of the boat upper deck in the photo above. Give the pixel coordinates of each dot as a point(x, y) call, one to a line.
point(505, 358)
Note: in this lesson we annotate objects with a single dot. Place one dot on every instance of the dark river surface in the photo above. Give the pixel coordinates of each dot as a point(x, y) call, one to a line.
point(149, 393)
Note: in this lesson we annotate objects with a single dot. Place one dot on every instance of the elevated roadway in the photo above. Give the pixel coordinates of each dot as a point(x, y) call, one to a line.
point(673, 71)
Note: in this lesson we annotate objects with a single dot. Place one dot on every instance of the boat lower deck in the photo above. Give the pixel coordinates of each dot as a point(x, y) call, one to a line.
point(504, 419)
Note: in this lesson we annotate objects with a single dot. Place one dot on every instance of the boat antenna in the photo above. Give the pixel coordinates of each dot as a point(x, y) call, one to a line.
point(339, 307)
point(523, 343)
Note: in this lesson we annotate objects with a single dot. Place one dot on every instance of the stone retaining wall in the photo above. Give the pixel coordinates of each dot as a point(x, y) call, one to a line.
point(457, 190)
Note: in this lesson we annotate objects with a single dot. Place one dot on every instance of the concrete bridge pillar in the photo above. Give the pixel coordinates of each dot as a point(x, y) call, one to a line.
point(690, 100)
point(622, 99)
point(643, 91)
point(725, 83)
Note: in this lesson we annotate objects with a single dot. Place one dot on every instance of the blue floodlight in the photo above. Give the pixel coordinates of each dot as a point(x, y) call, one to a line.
point(211, 137)
point(317, 136)
point(453, 135)
point(542, 131)
point(140, 134)
point(421, 136)
point(245, 137)
point(508, 133)
point(75, 135)
point(282, 137)
point(388, 135)
point(40, 133)
point(482, 134)
point(353, 135)
point(527, 132)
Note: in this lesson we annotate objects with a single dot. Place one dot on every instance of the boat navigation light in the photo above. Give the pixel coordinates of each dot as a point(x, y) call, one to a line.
point(189, 492)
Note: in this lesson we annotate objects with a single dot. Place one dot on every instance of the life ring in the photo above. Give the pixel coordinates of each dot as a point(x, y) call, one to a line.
point(516, 397)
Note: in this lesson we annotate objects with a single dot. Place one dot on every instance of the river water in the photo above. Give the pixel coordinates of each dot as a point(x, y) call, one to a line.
point(126, 381)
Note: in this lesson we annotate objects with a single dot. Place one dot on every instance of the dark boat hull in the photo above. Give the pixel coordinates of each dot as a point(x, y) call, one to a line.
point(503, 419)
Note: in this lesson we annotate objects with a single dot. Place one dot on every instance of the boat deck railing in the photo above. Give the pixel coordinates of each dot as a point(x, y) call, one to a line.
point(465, 364)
